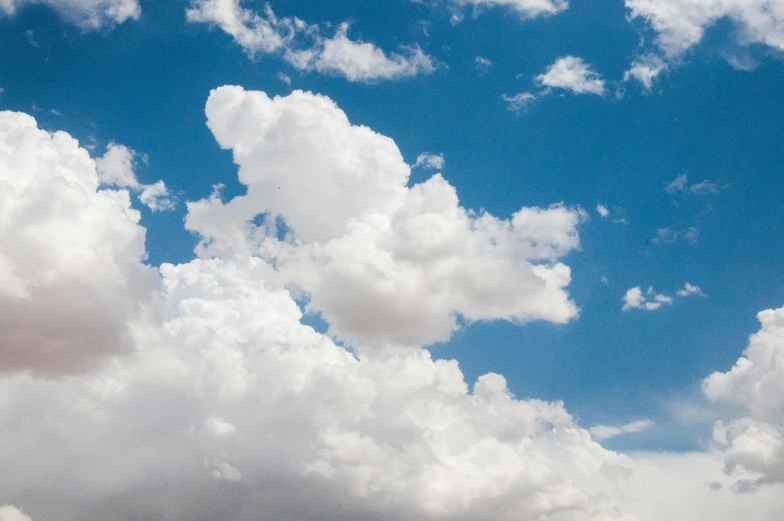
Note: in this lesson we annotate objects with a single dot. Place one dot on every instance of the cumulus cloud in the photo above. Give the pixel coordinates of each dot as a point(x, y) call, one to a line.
point(650, 300)
point(680, 24)
point(428, 160)
point(383, 262)
point(227, 405)
point(116, 168)
point(305, 47)
point(88, 14)
point(573, 74)
point(70, 253)
point(604, 432)
point(602, 210)
point(669, 236)
point(568, 73)
point(753, 445)
point(483, 64)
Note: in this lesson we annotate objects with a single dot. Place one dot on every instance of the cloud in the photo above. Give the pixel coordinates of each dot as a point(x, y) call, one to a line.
point(567, 73)
point(602, 210)
point(519, 102)
point(604, 432)
point(669, 236)
point(116, 168)
point(645, 69)
point(383, 263)
point(681, 185)
point(11, 513)
point(483, 64)
point(524, 8)
point(87, 14)
point(427, 160)
point(680, 24)
point(304, 46)
point(572, 74)
point(753, 445)
point(650, 300)
point(70, 256)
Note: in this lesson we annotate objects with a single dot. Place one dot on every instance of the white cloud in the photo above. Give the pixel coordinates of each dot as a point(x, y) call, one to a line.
point(645, 69)
point(669, 236)
point(284, 78)
point(88, 14)
point(681, 185)
point(483, 63)
point(572, 74)
point(519, 102)
point(680, 24)
point(602, 210)
point(384, 263)
point(604, 432)
point(525, 8)
point(753, 445)
point(83, 284)
point(11, 513)
point(688, 290)
point(304, 46)
point(116, 168)
point(428, 160)
point(650, 300)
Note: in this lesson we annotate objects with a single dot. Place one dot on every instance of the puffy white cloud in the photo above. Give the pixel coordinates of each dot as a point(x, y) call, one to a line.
point(688, 290)
point(384, 263)
point(483, 64)
point(304, 46)
point(602, 210)
point(669, 236)
point(70, 253)
point(604, 432)
point(428, 160)
point(88, 14)
point(680, 24)
point(116, 168)
point(573, 74)
point(753, 445)
point(525, 8)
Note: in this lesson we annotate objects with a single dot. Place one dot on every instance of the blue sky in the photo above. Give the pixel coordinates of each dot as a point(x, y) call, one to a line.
point(714, 114)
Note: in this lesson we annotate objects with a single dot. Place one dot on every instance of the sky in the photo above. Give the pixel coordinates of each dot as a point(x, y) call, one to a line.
point(404, 259)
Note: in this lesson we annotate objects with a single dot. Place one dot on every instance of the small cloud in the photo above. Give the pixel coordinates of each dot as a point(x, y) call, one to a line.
point(55, 112)
point(30, 35)
point(482, 64)
point(225, 472)
point(604, 280)
point(688, 290)
point(427, 160)
point(645, 69)
point(519, 102)
point(573, 74)
point(604, 432)
point(650, 300)
point(284, 78)
point(681, 184)
point(602, 210)
point(669, 236)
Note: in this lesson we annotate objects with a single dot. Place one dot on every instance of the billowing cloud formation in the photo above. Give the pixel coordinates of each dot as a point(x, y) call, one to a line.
point(754, 444)
point(525, 8)
point(70, 253)
point(88, 14)
point(303, 45)
point(680, 24)
point(384, 263)
point(116, 168)
point(11, 513)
